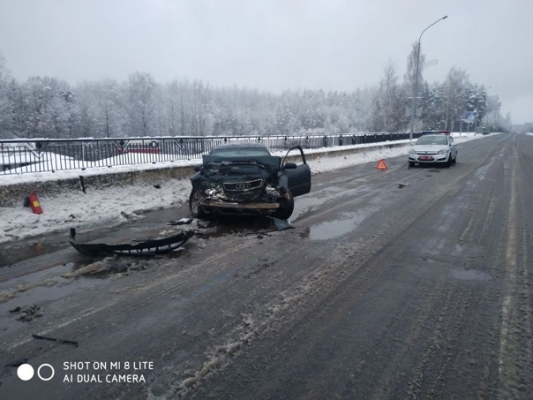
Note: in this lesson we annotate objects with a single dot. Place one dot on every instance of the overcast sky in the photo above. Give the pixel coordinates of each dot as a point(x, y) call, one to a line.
point(273, 44)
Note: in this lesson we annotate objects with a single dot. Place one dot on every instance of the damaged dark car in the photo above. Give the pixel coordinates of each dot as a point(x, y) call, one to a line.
point(245, 179)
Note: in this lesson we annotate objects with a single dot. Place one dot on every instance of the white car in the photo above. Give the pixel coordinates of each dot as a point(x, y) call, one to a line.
point(433, 149)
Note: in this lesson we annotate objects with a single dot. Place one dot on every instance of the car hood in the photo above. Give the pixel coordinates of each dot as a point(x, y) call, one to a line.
point(430, 148)
point(239, 169)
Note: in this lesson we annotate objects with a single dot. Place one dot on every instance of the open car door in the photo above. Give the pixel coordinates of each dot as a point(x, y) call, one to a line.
point(300, 177)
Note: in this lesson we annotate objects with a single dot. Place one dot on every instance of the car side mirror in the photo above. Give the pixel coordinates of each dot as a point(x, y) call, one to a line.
point(290, 165)
point(197, 168)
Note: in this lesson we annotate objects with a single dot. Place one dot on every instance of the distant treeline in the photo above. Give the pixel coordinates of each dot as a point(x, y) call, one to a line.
point(50, 107)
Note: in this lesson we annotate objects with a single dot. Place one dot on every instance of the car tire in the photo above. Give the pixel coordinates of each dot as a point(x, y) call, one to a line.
point(450, 161)
point(411, 164)
point(197, 211)
point(286, 206)
point(455, 159)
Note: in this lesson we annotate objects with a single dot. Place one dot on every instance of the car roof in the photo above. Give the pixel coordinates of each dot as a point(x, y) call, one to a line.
point(433, 135)
point(245, 145)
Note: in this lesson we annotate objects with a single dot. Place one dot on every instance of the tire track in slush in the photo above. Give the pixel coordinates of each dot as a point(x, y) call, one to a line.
point(487, 291)
point(432, 347)
point(464, 298)
point(507, 371)
point(389, 376)
point(516, 358)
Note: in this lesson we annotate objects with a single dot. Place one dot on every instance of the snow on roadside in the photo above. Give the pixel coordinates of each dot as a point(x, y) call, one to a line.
point(113, 206)
point(76, 209)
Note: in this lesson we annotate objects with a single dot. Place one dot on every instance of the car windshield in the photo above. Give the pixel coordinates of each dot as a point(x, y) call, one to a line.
point(432, 140)
point(240, 152)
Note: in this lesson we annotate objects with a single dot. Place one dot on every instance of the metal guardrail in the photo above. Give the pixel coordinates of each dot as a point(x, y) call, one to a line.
point(41, 155)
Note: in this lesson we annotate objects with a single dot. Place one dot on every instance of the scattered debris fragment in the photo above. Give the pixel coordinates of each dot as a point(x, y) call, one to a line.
point(260, 235)
point(75, 343)
point(157, 186)
point(146, 248)
point(182, 221)
point(281, 224)
point(28, 314)
point(402, 185)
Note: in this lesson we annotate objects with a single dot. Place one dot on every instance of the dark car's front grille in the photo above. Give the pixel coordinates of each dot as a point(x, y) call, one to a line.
point(243, 186)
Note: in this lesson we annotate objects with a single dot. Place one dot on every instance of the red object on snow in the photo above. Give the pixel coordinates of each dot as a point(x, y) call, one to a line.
point(381, 165)
point(34, 204)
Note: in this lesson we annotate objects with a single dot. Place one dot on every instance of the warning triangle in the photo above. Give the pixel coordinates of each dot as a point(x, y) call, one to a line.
point(381, 165)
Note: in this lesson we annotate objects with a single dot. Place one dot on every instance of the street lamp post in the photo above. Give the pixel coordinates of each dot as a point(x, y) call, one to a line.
point(417, 72)
point(487, 106)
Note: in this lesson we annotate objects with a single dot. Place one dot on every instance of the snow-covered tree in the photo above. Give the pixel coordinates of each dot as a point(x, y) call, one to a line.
point(389, 104)
point(5, 113)
point(454, 95)
point(140, 105)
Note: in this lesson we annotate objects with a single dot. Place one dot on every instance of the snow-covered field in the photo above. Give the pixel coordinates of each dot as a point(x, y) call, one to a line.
point(112, 206)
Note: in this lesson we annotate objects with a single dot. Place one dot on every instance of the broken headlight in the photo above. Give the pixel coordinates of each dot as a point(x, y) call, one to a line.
point(270, 191)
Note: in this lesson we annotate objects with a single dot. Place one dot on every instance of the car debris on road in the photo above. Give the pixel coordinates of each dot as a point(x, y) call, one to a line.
point(72, 342)
point(27, 314)
point(142, 249)
point(182, 221)
point(281, 224)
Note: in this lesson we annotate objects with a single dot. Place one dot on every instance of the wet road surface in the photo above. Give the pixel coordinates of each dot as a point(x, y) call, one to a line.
point(406, 283)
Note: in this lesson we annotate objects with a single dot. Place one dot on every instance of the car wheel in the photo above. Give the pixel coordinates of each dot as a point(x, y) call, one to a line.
point(448, 161)
point(286, 206)
point(411, 164)
point(455, 159)
point(197, 211)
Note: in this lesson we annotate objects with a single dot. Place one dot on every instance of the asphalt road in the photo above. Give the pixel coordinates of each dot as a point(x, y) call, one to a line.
point(399, 284)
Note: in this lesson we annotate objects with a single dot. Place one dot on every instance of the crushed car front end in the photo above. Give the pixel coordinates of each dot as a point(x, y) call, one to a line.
point(237, 185)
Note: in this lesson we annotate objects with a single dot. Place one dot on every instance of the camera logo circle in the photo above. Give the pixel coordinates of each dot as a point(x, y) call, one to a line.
point(52, 372)
point(25, 372)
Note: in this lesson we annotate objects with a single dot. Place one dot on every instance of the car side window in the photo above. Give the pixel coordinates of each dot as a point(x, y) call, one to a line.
point(294, 152)
point(451, 140)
